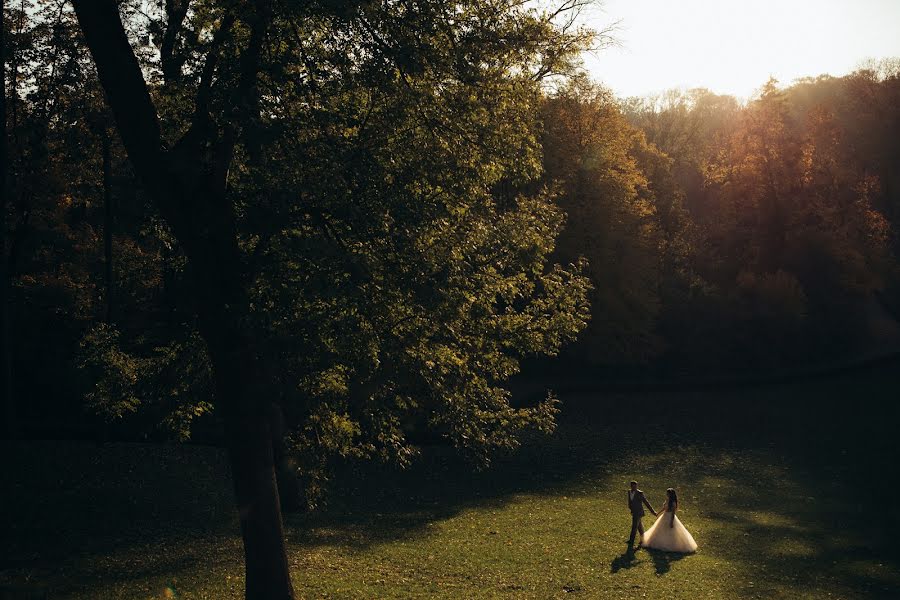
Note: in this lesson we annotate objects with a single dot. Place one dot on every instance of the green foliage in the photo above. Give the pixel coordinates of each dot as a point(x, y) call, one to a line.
point(115, 392)
point(172, 381)
point(402, 261)
point(399, 191)
point(396, 238)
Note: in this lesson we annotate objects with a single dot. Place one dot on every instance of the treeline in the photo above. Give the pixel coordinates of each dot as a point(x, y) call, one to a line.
point(725, 237)
point(409, 232)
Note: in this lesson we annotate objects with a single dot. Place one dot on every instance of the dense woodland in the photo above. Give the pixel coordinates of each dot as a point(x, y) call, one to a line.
point(348, 225)
point(726, 237)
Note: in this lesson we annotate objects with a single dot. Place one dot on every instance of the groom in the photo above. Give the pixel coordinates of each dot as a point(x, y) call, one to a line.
point(636, 502)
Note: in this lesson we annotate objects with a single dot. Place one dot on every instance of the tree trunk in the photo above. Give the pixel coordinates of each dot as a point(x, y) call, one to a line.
point(248, 434)
point(107, 224)
point(244, 395)
point(253, 470)
point(190, 191)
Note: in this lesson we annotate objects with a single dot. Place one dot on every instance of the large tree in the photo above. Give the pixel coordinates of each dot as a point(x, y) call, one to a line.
point(346, 182)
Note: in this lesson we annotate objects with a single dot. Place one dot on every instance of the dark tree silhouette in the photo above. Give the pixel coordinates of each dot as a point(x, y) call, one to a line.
point(188, 183)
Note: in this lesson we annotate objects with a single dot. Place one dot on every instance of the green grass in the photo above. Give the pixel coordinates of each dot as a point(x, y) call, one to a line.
point(788, 490)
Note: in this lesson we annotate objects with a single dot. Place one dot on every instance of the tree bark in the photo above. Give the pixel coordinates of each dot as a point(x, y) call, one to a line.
point(171, 60)
point(249, 439)
point(252, 467)
point(107, 223)
point(188, 184)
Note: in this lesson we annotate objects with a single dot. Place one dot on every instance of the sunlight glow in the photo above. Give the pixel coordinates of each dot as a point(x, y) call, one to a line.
point(733, 46)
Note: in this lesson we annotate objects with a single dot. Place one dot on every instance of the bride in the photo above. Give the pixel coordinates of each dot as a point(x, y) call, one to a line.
point(667, 533)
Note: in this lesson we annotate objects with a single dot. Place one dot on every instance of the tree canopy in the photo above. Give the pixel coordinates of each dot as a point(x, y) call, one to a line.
point(337, 205)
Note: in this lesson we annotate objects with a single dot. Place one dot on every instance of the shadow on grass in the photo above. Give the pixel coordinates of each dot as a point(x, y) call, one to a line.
point(788, 467)
point(375, 504)
point(800, 535)
point(626, 560)
point(77, 514)
point(662, 561)
point(76, 504)
point(796, 519)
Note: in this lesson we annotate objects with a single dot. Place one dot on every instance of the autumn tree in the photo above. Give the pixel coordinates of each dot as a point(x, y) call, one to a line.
point(330, 174)
point(685, 125)
point(797, 219)
point(622, 222)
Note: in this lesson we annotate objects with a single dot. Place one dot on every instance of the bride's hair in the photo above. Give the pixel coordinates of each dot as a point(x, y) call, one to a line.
point(673, 496)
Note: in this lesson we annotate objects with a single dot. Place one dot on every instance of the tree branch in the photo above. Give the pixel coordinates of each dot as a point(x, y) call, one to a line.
point(126, 90)
point(201, 104)
point(245, 101)
point(170, 60)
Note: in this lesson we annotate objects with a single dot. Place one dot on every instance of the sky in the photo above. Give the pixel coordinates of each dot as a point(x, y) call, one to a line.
point(733, 46)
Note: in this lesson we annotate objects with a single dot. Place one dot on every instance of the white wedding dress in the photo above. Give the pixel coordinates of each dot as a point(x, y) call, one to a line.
point(662, 536)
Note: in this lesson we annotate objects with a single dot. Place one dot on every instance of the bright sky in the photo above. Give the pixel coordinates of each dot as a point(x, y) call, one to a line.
point(732, 46)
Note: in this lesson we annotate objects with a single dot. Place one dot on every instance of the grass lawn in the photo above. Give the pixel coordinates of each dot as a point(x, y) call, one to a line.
point(789, 491)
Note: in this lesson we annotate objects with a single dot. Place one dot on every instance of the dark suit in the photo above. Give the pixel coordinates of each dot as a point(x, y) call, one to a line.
point(636, 506)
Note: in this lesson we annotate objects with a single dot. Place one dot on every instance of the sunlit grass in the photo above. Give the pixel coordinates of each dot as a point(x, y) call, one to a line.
point(134, 521)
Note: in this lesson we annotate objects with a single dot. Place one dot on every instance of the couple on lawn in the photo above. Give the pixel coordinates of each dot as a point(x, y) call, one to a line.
point(667, 533)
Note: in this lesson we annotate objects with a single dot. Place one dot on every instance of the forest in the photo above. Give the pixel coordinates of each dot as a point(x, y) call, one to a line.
point(325, 232)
